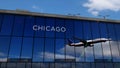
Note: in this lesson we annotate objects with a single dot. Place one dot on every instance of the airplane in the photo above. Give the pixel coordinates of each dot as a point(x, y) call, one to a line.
point(86, 43)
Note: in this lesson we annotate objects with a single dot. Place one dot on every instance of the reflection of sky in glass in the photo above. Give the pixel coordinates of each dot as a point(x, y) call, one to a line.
point(7, 24)
point(47, 46)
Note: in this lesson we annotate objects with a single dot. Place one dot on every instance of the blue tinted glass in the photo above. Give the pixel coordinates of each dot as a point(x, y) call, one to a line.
point(79, 51)
point(116, 65)
point(15, 47)
point(29, 22)
point(44, 65)
point(69, 28)
point(27, 48)
point(1, 21)
point(92, 65)
point(79, 29)
point(113, 43)
point(99, 65)
point(59, 50)
point(117, 32)
point(58, 65)
point(20, 65)
point(3, 65)
point(87, 35)
point(49, 50)
point(69, 51)
point(78, 65)
point(11, 65)
point(4, 47)
point(52, 65)
point(98, 53)
point(38, 50)
point(18, 26)
point(50, 27)
point(66, 65)
point(105, 45)
point(35, 65)
point(40, 22)
point(7, 25)
point(28, 65)
point(108, 65)
point(60, 33)
point(86, 65)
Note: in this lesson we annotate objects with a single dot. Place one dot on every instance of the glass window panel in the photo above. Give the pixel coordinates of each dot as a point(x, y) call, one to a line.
point(66, 65)
point(108, 65)
point(105, 45)
point(59, 50)
point(60, 33)
point(3, 65)
point(38, 54)
point(7, 25)
point(69, 52)
point(89, 57)
point(29, 22)
point(15, 47)
point(27, 48)
point(44, 65)
point(79, 51)
point(4, 47)
point(98, 53)
point(20, 65)
point(58, 65)
point(69, 28)
point(73, 65)
point(92, 65)
point(1, 19)
point(117, 33)
point(116, 65)
point(87, 65)
point(79, 65)
point(113, 42)
point(11, 65)
point(28, 65)
point(99, 65)
point(36, 65)
point(18, 26)
point(50, 27)
point(49, 50)
point(51, 65)
point(40, 21)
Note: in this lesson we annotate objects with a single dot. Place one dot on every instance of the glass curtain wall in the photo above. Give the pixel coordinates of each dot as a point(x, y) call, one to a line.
point(46, 42)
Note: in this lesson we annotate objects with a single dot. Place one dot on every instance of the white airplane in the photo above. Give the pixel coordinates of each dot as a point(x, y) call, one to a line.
point(87, 43)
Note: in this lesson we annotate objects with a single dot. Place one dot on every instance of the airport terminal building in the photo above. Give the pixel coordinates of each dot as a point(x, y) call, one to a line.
point(40, 40)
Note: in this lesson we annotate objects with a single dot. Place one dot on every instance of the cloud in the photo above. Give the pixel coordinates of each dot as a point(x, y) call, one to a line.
point(79, 52)
point(96, 6)
point(49, 56)
point(3, 59)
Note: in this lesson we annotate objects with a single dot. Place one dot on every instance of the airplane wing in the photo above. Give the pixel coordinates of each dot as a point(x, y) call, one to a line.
point(81, 40)
point(97, 40)
point(77, 44)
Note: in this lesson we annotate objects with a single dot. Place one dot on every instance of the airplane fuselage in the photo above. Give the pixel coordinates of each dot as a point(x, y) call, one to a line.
point(89, 43)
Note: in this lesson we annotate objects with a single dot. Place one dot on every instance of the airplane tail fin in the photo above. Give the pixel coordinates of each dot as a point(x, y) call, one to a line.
point(81, 40)
point(70, 41)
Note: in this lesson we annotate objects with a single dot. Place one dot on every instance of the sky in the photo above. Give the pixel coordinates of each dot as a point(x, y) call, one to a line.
point(84, 8)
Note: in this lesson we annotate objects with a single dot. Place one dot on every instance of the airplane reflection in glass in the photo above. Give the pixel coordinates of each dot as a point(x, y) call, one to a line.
point(86, 43)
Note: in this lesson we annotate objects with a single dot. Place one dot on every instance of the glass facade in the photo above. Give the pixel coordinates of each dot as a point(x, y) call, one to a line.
point(44, 42)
